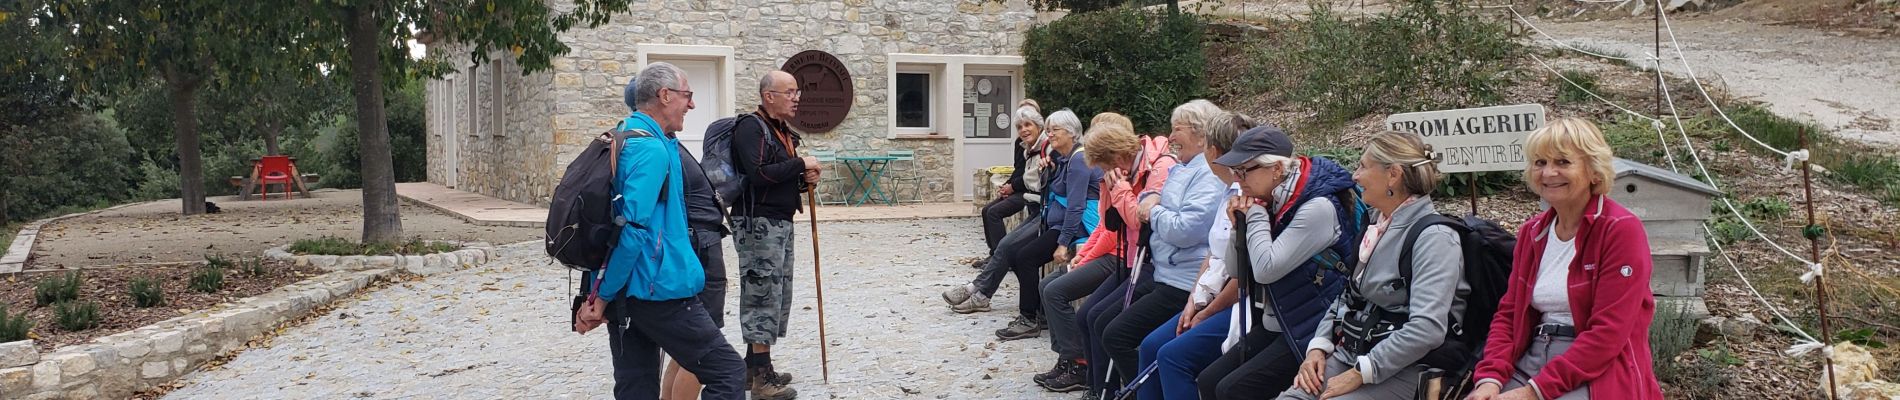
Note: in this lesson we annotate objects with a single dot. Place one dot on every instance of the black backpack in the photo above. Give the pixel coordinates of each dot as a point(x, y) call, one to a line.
point(716, 155)
point(1487, 252)
point(582, 226)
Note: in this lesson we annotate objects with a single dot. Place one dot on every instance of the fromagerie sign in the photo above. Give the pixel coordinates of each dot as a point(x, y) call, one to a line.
point(1474, 139)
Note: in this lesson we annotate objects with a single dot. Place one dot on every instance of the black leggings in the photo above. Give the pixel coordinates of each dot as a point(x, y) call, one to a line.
point(1267, 367)
point(1023, 253)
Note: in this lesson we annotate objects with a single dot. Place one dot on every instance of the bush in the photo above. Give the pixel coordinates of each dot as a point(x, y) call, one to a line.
point(1874, 173)
point(1567, 93)
point(1125, 60)
point(254, 266)
point(1488, 183)
point(1426, 54)
point(146, 293)
point(219, 260)
point(1777, 131)
point(76, 315)
point(336, 246)
point(13, 327)
point(207, 279)
point(1767, 208)
point(57, 289)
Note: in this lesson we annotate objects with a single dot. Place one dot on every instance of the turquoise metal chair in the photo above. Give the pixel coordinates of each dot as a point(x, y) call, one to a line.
point(903, 172)
point(832, 186)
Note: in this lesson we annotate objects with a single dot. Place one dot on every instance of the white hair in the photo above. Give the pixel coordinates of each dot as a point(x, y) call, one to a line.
point(1066, 119)
point(1198, 113)
point(1032, 114)
point(1291, 164)
point(656, 76)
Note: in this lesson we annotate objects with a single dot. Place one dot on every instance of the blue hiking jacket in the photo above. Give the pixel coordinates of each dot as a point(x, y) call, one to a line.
point(654, 260)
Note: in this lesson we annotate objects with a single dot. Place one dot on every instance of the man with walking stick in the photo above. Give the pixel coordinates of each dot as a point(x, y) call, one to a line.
point(767, 155)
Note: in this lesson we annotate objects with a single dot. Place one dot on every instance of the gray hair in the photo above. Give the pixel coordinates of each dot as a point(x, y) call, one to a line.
point(1066, 119)
point(766, 82)
point(1292, 164)
point(1226, 129)
point(644, 89)
point(1032, 114)
point(1198, 113)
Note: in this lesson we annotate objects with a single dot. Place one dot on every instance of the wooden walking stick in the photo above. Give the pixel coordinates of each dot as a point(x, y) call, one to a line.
point(818, 281)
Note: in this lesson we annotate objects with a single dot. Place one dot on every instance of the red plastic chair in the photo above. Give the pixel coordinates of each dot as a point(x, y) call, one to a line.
point(275, 169)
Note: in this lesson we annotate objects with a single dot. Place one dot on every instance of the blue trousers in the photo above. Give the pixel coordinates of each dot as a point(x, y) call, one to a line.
point(1181, 358)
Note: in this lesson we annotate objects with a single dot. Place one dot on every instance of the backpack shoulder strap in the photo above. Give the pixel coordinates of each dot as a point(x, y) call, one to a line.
point(1411, 240)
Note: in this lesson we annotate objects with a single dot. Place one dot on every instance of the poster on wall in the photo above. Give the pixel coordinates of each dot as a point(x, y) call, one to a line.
point(987, 100)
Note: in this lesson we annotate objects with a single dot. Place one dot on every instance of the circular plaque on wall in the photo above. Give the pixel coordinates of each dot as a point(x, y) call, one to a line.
point(826, 92)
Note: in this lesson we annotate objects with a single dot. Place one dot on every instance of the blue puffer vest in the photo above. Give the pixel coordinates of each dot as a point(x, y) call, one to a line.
point(1301, 297)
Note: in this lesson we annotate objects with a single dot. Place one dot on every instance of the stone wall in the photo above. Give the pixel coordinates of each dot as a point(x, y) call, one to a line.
point(505, 144)
point(582, 92)
point(119, 365)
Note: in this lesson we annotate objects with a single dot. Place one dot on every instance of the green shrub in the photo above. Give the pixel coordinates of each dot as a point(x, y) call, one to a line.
point(1727, 230)
point(76, 315)
point(1347, 157)
point(1488, 183)
point(219, 260)
point(13, 327)
point(331, 245)
point(1425, 54)
point(1877, 174)
point(1568, 93)
point(254, 266)
point(59, 288)
point(1775, 130)
point(1125, 60)
point(1633, 139)
point(1767, 208)
point(207, 279)
point(147, 293)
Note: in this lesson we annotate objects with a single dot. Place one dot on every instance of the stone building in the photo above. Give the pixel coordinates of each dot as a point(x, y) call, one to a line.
point(937, 77)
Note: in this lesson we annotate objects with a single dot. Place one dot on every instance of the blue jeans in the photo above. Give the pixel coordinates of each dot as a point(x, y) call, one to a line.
point(637, 330)
point(1182, 358)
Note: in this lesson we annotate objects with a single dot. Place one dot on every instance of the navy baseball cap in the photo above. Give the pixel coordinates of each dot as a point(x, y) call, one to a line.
point(1264, 139)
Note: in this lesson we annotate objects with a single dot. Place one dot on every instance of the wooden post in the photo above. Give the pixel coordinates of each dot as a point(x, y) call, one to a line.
point(1474, 193)
point(1820, 279)
point(1659, 79)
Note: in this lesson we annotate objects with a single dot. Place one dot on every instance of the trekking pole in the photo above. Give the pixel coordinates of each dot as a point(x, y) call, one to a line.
point(818, 281)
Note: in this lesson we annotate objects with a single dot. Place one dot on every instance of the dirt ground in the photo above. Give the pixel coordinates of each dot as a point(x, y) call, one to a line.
point(155, 232)
point(1846, 83)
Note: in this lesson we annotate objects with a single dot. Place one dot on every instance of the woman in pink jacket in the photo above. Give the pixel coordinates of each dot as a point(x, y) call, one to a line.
point(1574, 323)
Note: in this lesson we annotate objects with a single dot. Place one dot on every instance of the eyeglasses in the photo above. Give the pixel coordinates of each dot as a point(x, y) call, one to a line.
point(793, 94)
point(688, 93)
point(1242, 171)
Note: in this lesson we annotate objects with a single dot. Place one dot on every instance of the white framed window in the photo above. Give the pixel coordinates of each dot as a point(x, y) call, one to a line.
point(914, 99)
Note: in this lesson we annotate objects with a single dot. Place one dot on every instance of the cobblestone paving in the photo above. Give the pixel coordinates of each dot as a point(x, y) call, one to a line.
point(499, 331)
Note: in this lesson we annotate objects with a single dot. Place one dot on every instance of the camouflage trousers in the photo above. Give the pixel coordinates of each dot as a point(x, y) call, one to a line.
point(765, 277)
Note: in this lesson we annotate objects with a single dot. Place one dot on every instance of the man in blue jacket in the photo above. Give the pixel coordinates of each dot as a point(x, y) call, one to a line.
point(653, 276)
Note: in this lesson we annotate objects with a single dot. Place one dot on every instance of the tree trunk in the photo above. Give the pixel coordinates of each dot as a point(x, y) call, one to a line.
point(382, 221)
point(184, 98)
point(271, 129)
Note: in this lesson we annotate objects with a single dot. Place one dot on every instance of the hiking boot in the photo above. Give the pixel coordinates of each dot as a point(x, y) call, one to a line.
point(1062, 365)
point(957, 295)
point(975, 304)
point(760, 382)
point(1022, 328)
point(778, 378)
point(1076, 377)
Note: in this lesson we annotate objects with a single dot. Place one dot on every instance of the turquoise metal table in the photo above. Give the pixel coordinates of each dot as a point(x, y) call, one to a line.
point(867, 171)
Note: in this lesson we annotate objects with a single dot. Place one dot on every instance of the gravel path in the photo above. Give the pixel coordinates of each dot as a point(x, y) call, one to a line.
point(498, 331)
point(1847, 84)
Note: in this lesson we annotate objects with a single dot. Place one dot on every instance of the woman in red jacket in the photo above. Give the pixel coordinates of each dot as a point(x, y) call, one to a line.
point(1574, 323)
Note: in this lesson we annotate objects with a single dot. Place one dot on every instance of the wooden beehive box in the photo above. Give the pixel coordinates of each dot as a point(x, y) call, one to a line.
point(1673, 208)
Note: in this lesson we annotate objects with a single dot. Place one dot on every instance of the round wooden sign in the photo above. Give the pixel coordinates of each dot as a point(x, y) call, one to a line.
point(826, 92)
